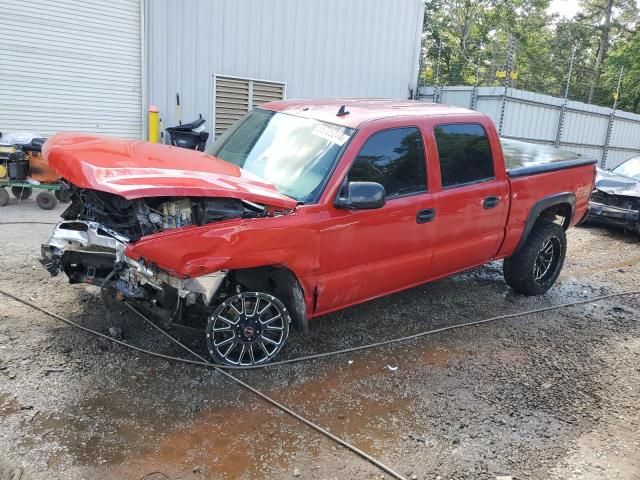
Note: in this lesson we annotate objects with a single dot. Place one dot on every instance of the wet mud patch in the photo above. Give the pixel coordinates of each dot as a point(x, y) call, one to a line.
point(247, 442)
point(8, 405)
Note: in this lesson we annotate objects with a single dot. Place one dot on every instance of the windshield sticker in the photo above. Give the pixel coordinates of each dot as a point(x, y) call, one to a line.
point(333, 135)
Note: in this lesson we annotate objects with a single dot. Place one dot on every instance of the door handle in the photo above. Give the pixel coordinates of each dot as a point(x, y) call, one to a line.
point(426, 215)
point(490, 202)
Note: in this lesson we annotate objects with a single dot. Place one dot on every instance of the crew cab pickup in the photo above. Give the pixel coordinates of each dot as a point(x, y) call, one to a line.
point(305, 207)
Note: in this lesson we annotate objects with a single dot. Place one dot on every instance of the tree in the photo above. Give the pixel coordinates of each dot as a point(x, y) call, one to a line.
point(454, 31)
point(462, 35)
point(608, 20)
point(604, 45)
point(625, 54)
point(567, 35)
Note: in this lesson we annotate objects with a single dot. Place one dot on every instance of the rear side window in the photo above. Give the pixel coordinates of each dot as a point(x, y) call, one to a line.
point(395, 159)
point(465, 154)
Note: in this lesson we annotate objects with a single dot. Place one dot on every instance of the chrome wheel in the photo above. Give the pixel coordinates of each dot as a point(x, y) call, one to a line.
point(247, 329)
point(547, 260)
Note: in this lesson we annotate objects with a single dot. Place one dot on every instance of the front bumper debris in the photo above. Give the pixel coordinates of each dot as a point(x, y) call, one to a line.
point(621, 217)
point(83, 250)
point(88, 252)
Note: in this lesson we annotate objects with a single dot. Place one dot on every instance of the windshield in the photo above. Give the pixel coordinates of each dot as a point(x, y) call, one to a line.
point(630, 168)
point(294, 154)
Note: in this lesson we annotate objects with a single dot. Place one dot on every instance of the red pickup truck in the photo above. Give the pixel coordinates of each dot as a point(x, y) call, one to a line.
point(306, 207)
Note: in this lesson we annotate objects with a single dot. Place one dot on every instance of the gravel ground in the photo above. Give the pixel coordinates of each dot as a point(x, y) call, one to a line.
point(545, 396)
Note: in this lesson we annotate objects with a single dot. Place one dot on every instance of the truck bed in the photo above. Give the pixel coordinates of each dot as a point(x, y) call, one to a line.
point(524, 159)
point(534, 175)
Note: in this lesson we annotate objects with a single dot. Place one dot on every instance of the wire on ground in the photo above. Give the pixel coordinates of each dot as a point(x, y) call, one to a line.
point(221, 369)
point(204, 362)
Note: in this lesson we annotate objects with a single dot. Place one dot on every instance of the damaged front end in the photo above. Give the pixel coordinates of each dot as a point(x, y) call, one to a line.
point(89, 244)
point(615, 201)
point(616, 210)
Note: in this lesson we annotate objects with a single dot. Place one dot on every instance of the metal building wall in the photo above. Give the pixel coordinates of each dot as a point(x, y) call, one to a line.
point(361, 48)
point(71, 65)
point(600, 132)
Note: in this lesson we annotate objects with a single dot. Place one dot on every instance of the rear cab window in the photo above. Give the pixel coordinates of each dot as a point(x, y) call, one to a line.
point(395, 159)
point(465, 154)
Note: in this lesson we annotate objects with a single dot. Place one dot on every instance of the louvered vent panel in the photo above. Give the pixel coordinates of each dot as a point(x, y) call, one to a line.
point(264, 92)
point(232, 101)
point(236, 96)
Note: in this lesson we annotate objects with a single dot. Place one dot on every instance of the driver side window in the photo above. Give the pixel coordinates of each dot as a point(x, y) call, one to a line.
point(395, 159)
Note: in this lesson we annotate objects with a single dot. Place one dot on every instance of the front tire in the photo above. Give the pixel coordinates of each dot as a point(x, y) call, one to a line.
point(247, 329)
point(536, 266)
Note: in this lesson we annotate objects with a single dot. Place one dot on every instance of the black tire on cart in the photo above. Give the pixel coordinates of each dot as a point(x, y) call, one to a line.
point(21, 193)
point(46, 200)
point(4, 197)
point(536, 266)
point(63, 196)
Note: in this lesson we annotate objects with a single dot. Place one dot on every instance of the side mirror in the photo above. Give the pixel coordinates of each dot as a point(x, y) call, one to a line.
point(361, 196)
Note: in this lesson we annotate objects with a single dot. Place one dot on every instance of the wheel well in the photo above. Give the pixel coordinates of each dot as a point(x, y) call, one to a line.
point(281, 282)
point(556, 208)
point(560, 213)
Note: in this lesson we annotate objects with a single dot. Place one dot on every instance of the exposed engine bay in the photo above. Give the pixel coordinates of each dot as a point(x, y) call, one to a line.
point(134, 219)
point(619, 201)
point(616, 199)
point(89, 245)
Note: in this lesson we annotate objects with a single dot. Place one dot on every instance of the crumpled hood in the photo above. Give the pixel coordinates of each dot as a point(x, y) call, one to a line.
point(135, 169)
point(614, 184)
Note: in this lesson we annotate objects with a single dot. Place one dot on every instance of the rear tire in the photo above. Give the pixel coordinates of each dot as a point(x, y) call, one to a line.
point(46, 200)
point(21, 193)
point(536, 266)
point(4, 197)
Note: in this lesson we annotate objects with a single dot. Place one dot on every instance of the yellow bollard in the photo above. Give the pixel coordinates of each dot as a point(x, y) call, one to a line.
point(154, 124)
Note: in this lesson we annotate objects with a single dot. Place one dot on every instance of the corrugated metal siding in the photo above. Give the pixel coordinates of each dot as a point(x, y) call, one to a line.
point(319, 48)
point(531, 115)
point(585, 128)
point(626, 133)
point(534, 117)
point(456, 96)
point(71, 65)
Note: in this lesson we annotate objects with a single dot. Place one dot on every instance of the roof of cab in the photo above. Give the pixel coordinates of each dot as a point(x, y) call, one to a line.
point(362, 110)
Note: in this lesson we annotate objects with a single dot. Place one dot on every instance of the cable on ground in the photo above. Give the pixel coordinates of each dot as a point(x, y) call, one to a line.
point(221, 368)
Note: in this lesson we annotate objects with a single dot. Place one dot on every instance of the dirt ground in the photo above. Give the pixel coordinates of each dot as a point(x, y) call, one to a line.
point(545, 396)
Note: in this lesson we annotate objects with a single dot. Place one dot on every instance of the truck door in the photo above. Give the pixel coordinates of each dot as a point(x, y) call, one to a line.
point(368, 253)
point(472, 204)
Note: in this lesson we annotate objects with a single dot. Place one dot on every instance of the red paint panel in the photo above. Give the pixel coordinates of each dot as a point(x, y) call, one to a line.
point(135, 169)
point(527, 191)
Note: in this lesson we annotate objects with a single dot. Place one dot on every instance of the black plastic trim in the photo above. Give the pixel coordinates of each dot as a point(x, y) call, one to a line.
point(549, 167)
point(467, 184)
point(541, 206)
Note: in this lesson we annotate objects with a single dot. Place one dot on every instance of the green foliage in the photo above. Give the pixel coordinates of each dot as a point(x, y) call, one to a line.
point(625, 54)
point(466, 42)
